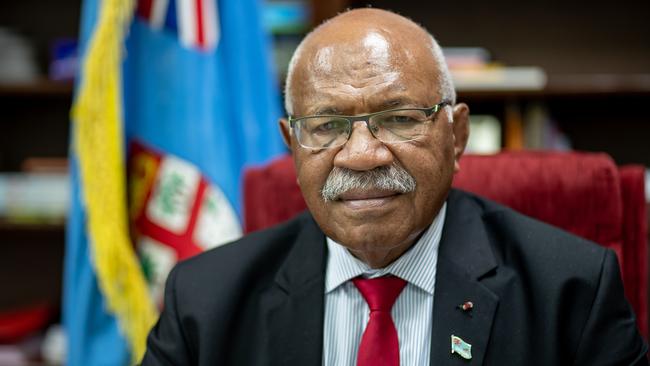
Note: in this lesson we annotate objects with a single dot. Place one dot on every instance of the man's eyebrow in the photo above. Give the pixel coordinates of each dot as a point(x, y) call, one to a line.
point(398, 102)
point(389, 104)
point(326, 110)
point(393, 103)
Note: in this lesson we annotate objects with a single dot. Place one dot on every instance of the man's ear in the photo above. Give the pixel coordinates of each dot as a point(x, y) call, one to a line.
point(285, 130)
point(460, 127)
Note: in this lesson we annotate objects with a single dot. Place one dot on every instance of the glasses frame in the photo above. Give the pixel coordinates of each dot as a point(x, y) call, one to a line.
point(429, 112)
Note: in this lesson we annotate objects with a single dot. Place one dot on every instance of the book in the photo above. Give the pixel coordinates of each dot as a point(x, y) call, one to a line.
point(499, 78)
point(34, 197)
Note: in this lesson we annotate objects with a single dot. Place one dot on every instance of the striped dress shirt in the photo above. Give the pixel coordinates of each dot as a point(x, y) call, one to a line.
point(346, 311)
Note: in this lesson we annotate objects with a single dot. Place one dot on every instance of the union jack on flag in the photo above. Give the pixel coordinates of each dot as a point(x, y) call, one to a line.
point(196, 22)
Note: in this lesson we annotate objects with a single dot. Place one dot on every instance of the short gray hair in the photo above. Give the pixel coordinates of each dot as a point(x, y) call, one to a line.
point(445, 83)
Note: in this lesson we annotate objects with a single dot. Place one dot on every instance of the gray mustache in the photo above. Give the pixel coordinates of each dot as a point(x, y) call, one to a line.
point(390, 178)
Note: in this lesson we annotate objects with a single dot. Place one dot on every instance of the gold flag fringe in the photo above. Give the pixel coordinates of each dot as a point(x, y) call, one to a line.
point(98, 142)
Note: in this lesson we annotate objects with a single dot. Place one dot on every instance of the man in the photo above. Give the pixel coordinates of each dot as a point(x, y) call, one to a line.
point(390, 266)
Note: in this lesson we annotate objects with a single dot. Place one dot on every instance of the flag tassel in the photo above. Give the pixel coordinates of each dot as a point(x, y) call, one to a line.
point(97, 117)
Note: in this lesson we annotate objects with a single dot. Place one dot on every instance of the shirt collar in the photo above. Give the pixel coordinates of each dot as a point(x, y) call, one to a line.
point(417, 265)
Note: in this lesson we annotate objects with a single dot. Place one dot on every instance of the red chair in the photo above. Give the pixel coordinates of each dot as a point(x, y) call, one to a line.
point(584, 193)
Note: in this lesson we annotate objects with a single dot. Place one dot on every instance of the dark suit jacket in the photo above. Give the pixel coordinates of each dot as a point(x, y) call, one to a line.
point(541, 297)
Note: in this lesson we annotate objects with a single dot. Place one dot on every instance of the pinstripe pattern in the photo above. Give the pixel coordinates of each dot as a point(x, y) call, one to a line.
point(346, 312)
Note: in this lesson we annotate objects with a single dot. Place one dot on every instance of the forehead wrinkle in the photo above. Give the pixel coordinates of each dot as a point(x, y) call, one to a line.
point(353, 85)
point(352, 101)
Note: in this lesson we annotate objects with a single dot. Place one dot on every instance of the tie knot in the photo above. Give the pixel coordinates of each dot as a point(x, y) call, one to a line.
point(380, 293)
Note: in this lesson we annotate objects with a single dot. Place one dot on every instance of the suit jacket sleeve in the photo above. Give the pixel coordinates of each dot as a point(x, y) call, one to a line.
point(610, 336)
point(166, 344)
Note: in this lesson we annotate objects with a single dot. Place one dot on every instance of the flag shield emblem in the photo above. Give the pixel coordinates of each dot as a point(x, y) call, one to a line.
point(176, 212)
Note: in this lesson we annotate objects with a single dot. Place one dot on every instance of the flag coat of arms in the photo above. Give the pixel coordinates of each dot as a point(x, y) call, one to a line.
point(175, 97)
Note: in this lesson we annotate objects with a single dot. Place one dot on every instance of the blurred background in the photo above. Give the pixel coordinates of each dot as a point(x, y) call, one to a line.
point(552, 75)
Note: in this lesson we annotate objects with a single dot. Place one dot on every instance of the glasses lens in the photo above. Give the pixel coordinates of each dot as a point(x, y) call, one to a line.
point(321, 132)
point(399, 125)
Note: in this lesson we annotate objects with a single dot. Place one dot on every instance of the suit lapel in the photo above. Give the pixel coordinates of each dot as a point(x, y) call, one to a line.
point(464, 258)
point(293, 309)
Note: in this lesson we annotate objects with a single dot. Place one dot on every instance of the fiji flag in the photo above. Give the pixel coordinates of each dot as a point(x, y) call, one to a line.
point(175, 97)
point(195, 21)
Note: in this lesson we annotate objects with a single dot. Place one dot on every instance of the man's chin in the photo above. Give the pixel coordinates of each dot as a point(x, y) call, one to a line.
point(374, 250)
point(368, 235)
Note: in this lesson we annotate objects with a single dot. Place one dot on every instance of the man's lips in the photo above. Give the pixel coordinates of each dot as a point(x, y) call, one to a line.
point(366, 199)
point(366, 195)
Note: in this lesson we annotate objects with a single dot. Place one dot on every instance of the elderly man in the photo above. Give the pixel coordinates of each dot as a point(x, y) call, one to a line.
point(390, 266)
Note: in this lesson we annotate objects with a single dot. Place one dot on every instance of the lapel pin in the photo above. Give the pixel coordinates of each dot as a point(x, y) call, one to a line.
point(466, 307)
point(460, 347)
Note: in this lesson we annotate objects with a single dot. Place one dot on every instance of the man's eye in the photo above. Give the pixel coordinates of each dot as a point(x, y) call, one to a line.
point(400, 119)
point(329, 126)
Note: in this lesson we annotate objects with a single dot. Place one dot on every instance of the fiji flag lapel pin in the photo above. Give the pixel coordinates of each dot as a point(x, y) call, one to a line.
point(462, 348)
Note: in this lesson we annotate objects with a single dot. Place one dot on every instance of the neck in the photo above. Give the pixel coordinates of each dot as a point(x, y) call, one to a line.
point(380, 258)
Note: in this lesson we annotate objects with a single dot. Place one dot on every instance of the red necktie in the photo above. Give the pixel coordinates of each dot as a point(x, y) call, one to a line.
point(379, 344)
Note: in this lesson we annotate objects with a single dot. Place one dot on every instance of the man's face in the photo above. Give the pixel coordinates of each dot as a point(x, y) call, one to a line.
point(360, 76)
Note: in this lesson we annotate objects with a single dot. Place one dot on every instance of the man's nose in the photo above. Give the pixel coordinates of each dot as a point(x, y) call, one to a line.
point(363, 151)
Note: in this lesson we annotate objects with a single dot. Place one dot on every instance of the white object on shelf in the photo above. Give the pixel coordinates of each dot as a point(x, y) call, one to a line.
point(466, 56)
point(53, 348)
point(34, 196)
point(484, 134)
point(500, 78)
point(17, 61)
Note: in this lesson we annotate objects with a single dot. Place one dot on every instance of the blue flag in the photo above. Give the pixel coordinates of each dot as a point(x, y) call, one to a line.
point(200, 102)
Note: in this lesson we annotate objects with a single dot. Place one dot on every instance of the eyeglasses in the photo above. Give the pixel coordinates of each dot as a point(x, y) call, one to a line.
point(391, 126)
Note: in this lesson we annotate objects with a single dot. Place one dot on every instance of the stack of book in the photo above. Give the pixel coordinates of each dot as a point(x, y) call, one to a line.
point(38, 194)
point(472, 69)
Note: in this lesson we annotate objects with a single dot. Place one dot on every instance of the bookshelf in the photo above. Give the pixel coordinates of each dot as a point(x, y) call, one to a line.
point(598, 113)
point(34, 123)
point(38, 89)
point(31, 264)
point(567, 86)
